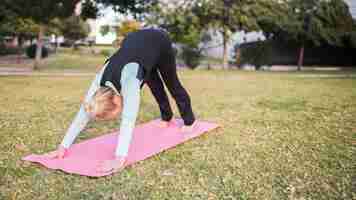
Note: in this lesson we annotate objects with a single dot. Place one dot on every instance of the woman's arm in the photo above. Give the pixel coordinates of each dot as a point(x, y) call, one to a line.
point(130, 92)
point(82, 118)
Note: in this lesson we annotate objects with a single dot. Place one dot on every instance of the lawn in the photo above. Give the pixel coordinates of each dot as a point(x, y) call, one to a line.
point(80, 60)
point(84, 59)
point(283, 136)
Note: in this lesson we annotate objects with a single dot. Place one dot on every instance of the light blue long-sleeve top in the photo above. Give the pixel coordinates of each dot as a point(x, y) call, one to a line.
point(130, 93)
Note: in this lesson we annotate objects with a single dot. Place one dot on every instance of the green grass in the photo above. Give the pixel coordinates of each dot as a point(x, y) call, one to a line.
point(80, 61)
point(283, 136)
point(84, 60)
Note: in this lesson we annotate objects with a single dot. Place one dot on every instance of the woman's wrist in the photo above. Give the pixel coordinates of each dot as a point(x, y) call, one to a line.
point(62, 147)
point(120, 157)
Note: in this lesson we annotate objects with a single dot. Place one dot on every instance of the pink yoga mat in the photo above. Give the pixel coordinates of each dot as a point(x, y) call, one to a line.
point(148, 140)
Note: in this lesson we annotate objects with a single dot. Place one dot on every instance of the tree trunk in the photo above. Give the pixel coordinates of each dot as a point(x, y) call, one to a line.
point(58, 44)
point(39, 48)
point(55, 43)
point(20, 41)
point(225, 51)
point(301, 58)
point(238, 57)
point(19, 45)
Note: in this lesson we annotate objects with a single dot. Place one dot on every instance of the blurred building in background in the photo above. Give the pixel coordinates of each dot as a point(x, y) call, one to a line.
point(108, 18)
point(214, 48)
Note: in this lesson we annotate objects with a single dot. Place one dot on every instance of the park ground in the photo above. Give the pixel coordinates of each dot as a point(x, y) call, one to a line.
point(283, 135)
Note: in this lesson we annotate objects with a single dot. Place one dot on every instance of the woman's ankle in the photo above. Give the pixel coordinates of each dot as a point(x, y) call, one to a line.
point(190, 123)
point(167, 120)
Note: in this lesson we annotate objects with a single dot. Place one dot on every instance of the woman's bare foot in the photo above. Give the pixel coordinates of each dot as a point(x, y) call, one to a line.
point(164, 124)
point(188, 129)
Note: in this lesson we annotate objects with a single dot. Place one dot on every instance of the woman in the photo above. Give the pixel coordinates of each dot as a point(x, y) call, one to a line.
point(145, 56)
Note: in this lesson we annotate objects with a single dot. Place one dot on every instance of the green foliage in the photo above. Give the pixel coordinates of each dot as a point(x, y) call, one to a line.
point(13, 25)
point(31, 51)
point(127, 27)
point(74, 28)
point(191, 56)
point(257, 54)
point(134, 7)
point(227, 16)
point(89, 9)
point(185, 28)
point(55, 27)
point(309, 21)
point(181, 23)
point(188, 22)
point(42, 11)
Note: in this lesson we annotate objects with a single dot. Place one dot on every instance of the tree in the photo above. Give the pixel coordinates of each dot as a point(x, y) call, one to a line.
point(12, 25)
point(5, 16)
point(41, 12)
point(312, 22)
point(22, 28)
point(333, 22)
point(183, 26)
point(190, 20)
point(55, 28)
point(303, 10)
point(74, 28)
point(228, 16)
point(137, 8)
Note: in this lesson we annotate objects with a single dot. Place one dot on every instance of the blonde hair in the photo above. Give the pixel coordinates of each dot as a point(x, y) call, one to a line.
point(101, 103)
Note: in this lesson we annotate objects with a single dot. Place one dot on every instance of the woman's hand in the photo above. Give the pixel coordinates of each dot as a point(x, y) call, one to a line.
point(60, 153)
point(114, 165)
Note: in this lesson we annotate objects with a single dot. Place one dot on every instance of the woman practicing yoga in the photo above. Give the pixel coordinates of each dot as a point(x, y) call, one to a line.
point(145, 56)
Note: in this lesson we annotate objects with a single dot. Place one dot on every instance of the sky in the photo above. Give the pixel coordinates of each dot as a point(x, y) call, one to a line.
point(352, 5)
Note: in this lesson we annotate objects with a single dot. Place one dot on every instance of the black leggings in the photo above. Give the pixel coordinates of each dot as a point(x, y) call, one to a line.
point(168, 71)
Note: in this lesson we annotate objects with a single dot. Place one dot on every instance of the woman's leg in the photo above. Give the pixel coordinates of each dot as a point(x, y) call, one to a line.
point(168, 71)
point(160, 95)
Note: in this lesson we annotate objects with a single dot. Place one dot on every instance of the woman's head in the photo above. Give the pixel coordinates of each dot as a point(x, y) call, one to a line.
point(104, 105)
